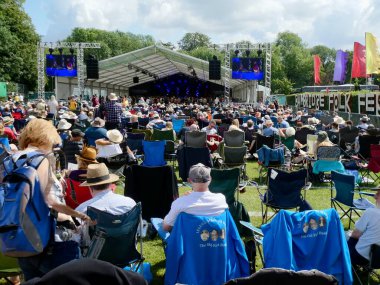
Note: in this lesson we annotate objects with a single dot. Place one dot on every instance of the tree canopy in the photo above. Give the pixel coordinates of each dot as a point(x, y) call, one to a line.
point(18, 44)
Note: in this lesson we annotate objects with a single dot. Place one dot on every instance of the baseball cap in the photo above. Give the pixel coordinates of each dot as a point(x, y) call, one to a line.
point(200, 173)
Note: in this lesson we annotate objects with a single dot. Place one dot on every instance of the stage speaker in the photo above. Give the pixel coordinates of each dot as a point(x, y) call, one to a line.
point(136, 79)
point(92, 67)
point(214, 69)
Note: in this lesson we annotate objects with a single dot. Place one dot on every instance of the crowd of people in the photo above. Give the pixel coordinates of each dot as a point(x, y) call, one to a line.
point(83, 130)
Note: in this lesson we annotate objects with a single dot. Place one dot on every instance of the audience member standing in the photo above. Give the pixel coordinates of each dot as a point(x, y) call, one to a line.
point(113, 112)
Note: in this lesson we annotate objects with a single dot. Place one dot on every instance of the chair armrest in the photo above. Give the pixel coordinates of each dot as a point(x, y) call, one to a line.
point(157, 223)
point(365, 193)
point(256, 231)
point(307, 186)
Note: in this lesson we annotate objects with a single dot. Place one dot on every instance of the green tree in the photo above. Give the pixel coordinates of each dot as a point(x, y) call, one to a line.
point(282, 86)
point(112, 43)
point(205, 53)
point(191, 41)
point(18, 48)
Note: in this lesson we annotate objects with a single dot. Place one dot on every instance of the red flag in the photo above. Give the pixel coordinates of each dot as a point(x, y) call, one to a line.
point(358, 62)
point(317, 68)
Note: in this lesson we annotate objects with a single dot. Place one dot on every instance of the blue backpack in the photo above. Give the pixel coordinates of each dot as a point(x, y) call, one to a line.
point(26, 223)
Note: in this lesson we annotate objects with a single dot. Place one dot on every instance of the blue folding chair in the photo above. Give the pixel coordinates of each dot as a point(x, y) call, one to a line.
point(154, 153)
point(178, 124)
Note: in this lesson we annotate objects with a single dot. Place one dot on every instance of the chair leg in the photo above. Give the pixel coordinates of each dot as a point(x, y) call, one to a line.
point(349, 222)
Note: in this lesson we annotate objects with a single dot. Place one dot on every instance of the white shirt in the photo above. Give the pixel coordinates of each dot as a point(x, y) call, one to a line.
point(109, 202)
point(197, 203)
point(369, 225)
point(53, 107)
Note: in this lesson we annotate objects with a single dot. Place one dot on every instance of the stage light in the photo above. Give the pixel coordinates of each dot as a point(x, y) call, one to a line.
point(237, 52)
point(72, 51)
point(60, 50)
point(247, 52)
point(51, 50)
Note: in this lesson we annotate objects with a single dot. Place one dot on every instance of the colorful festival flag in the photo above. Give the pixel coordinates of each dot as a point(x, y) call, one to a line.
point(372, 54)
point(340, 66)
point(317, 68)
point(358, 62)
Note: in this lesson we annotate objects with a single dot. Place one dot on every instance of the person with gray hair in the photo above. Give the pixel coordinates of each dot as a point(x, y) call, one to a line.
point(199, 201)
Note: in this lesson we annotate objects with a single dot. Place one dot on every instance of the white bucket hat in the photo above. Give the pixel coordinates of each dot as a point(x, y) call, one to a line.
point(112, 96)
point(114, 136)
point(63, 125)
point(339, 120)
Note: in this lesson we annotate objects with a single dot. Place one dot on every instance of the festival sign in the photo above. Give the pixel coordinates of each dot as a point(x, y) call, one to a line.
point(362, 103)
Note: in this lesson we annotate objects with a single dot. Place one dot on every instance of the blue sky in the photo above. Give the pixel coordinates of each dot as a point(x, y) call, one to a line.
point(335, 23)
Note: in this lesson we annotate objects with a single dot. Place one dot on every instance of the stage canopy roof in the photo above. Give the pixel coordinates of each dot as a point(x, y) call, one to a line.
point(154, 62)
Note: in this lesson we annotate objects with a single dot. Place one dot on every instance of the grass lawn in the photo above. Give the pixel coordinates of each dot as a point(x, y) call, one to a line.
point(318, 197)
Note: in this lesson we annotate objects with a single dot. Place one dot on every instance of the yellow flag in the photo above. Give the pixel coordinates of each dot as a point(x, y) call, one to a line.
point(372, 54)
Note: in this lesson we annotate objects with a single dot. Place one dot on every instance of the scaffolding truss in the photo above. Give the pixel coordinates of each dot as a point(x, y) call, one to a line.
point(41, 46)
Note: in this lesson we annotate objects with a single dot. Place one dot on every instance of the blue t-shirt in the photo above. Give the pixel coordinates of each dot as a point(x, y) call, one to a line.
point(92, 134)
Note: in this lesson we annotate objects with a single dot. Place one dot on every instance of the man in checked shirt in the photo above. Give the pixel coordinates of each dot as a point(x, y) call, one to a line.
point(113, 111)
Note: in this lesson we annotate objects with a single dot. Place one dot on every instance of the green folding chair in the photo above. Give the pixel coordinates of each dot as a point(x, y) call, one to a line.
point(8, 268)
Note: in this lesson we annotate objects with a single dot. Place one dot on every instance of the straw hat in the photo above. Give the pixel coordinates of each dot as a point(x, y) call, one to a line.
point(365, 118)
point(63, 125)
point(87, 154)
point(98, 123)
point(112, 96)
point(98, 174)
point(65, 116)
point(114, 136)
point(8, 120)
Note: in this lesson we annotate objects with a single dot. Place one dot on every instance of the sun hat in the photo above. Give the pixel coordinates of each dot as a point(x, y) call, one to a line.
point(322, 136)
point(313, 121)
point(65, 116)
point(339, 120)
point(98, 123)
point(365, 118)
point(63, 125)
point(114, 136)
point(8, 120)
point(112, 96)
point(200, 173)
point(98, 174)
point(87, 154)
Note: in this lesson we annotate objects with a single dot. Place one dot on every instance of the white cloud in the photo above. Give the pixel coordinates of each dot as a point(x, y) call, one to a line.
point(332, 23)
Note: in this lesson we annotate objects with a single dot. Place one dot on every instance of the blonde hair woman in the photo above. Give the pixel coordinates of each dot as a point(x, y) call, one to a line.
point(39, 136)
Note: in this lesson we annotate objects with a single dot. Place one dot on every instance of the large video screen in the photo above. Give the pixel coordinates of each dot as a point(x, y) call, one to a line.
point(247, 68)
point(61, 65)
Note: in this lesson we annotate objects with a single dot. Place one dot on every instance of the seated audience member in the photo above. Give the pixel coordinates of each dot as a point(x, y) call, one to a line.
point(63, 129)
point(95, 132)
point(200, 201)
point(282, 124)
point(322, 140)
point(363, 125)
point(5, 131)
point(185, 129)
point(369, 131)
point(156, 121)
point(99, 180)
point(169, 127)
point(211, 128)
point(366, 233)
point(73, 146)
point(269, 130)
point(114, 137)
point(235, 126)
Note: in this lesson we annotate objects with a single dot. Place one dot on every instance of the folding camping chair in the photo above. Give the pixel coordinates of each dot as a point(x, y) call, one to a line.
point(155, 187)
point(114, 237)
point(196, 239)
point(302, 133)
point(263, 140)
point(344, 185)
point(311, 239)
point(178, 124)
point(227, 182)
point(147, 133)
point(374, 263)
point(268, 157)
point(154, 153)
point(195, 139)
point(234, 138)
point(373, 167)
point(159, 135)
point(143, 122)
point(284, 192)
point(347, 137)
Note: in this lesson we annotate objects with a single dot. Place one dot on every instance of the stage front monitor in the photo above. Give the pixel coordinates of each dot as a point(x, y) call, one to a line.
point(61, 65)
point(247, 68)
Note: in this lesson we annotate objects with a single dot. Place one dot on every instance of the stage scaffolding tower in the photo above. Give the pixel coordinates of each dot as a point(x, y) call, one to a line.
point(266, 49)
point(41, 46)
